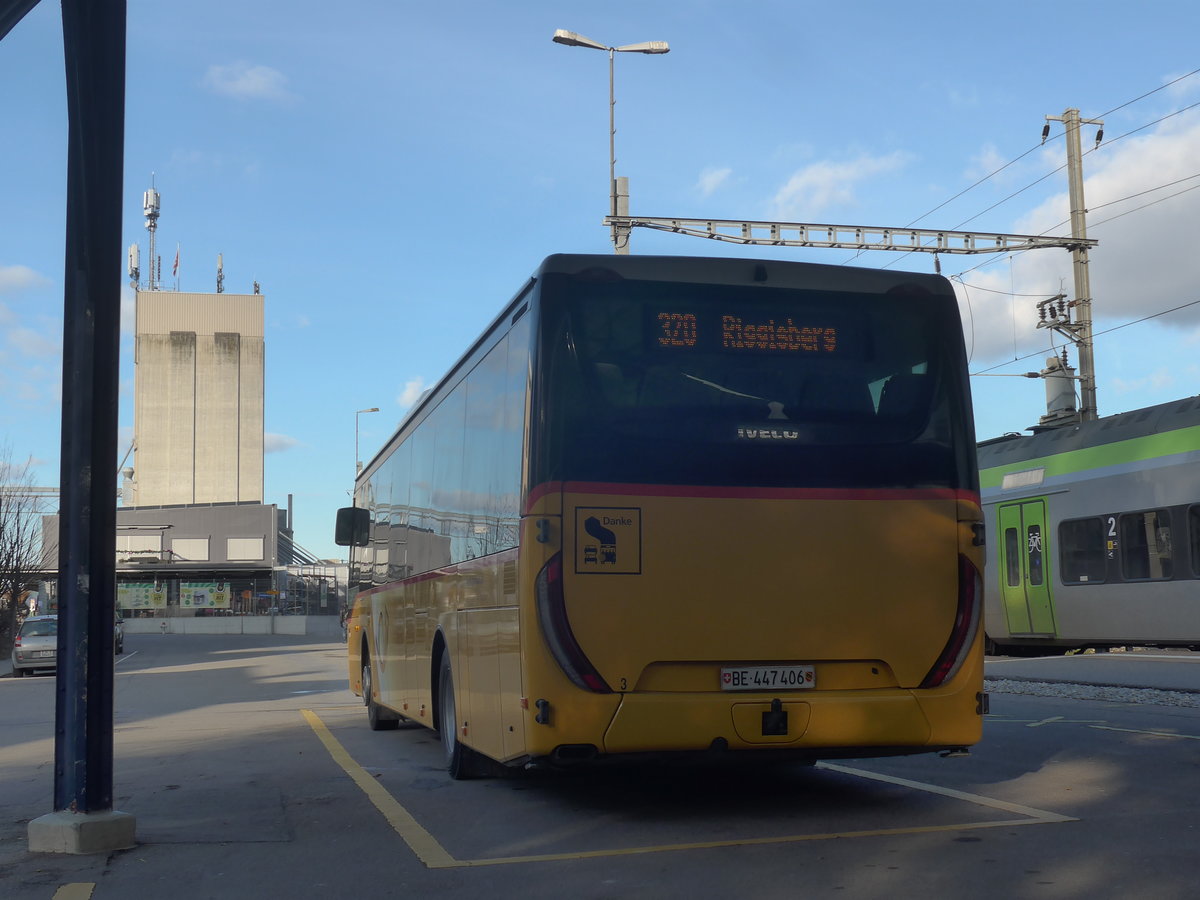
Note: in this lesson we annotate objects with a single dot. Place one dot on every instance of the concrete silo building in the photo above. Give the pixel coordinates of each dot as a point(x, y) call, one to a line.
point(198, 399)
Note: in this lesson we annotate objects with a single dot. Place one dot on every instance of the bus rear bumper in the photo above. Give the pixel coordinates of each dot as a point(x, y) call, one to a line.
point(834, 720)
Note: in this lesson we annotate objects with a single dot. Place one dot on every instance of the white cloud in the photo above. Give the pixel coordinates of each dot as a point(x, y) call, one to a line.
point(128, 310)
point(826, 184)
point(413, 388)
point(1180, 86)
point(278, 443)
point(711, 179)
point(985, 162)
point(963, 96)
point(1155, 381)
point(193, 159)
point(15, 278)
point(245, 81)
point(32, 344)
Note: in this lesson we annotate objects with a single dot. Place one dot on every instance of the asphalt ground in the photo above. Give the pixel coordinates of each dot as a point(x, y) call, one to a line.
point(203, 778)
point(1149, 668)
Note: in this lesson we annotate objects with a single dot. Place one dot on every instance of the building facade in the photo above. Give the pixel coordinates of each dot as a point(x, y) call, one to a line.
point(224, 559)
point(198, 399)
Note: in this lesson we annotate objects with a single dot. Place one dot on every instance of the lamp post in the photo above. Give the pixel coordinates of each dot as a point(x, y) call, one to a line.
point(573, 39)
point(357, 461)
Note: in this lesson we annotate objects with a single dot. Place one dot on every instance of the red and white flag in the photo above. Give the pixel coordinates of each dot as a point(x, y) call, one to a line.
point(175, 268)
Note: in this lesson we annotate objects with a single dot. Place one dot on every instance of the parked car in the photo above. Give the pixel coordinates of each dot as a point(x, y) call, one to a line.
point(36, 645)
point(119, 635)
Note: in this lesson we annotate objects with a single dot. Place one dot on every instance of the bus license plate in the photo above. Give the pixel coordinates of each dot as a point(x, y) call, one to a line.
point(767, 678)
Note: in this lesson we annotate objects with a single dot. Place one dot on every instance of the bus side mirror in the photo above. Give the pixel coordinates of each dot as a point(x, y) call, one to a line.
point(353, 527)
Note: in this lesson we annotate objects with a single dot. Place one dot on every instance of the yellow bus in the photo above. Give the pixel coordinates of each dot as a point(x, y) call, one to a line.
point(671, 505)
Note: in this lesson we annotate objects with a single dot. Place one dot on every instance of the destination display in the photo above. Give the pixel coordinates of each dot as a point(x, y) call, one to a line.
point(745, 332)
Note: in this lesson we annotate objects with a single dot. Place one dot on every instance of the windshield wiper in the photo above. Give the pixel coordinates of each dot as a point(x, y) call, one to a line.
point(774, 407)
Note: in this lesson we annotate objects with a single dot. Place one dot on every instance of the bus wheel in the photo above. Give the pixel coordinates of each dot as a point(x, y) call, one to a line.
point(379, 719)
point(461, 761)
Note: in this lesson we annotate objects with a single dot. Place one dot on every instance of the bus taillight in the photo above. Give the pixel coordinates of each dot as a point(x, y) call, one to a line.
point(552, 616)
point(966, 624)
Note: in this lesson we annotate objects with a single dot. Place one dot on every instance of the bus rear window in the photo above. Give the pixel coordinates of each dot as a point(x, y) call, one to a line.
point(830, 370)
point(753, 375)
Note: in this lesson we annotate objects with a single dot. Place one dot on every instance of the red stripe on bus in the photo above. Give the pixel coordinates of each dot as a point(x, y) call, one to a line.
point(540, 491)
point(748, 493)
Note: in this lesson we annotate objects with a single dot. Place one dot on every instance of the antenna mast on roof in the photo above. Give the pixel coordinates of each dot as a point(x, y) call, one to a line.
point(135, 269)
point(150, 203)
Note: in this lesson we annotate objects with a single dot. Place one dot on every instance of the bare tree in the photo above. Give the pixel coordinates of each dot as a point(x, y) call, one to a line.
point(21, 559)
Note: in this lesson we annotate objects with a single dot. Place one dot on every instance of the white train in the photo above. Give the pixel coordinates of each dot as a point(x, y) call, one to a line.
point(1093, 532)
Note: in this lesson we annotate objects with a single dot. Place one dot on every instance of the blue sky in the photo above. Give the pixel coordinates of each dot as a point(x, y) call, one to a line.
point(390, 172)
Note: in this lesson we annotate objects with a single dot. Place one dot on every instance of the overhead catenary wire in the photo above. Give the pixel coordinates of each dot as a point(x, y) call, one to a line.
point(979, 287)
point(987, 262)
point(1097, 334)
point(971, 319)
point(1021, 156)
point(1091, 150)
point(1144, 206)
point(1161, 87)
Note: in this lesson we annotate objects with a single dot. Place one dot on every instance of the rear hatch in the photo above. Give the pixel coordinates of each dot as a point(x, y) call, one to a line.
point(664, 591)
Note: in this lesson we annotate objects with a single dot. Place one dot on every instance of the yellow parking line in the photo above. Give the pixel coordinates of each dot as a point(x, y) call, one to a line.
point(434, 856)
point(743, 842)
point(76, 891)
point(420, 841)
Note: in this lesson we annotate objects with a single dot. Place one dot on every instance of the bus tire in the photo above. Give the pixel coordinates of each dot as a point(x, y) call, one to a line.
point(377, 717)
point(461, 761)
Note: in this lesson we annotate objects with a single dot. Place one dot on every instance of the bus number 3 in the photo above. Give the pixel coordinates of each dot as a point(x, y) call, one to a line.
point(624, 685)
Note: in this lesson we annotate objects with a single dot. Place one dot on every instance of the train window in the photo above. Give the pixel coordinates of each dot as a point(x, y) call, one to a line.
point(1012, 556)
point(1194, 531)
point(1081, 551)
point(1146, 545)
point(1035, 554)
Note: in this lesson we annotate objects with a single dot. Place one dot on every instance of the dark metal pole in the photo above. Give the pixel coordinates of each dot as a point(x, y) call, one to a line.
point(94, 45)
point(12, 12)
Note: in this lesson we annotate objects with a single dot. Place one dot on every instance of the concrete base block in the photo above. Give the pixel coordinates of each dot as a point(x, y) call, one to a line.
point(68, 832)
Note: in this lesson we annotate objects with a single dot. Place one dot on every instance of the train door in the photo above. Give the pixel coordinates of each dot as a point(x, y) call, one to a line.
point(1024, 570)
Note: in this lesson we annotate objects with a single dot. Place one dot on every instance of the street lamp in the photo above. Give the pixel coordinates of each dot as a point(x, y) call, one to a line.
point(357, 461)
point(572, 39)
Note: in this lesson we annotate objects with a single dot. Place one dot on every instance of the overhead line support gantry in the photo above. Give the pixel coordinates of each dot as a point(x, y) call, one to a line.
point(848, 237)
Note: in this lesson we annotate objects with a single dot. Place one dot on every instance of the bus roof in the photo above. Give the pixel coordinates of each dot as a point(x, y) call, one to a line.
point(736, 270)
